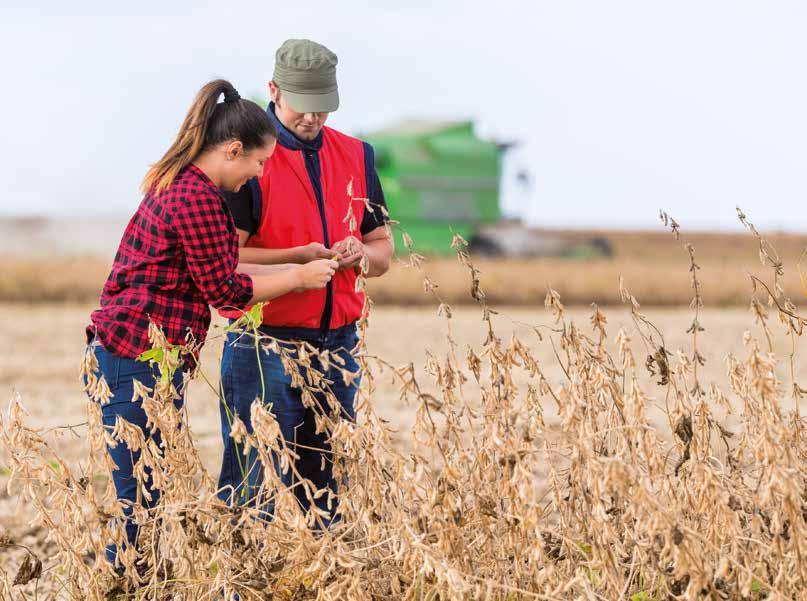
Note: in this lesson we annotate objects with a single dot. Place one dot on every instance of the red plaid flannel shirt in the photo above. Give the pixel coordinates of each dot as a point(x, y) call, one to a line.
point(178, 255)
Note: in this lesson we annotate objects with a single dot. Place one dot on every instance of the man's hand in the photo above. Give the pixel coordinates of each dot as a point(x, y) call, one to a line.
point(351, 251)
point(313, 251)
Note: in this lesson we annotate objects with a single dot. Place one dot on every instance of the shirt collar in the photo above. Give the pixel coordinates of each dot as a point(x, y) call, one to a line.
point(288, 139)
point(201, 175)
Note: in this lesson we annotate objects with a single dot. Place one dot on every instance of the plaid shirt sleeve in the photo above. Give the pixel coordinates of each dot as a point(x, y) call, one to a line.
point(206, 231)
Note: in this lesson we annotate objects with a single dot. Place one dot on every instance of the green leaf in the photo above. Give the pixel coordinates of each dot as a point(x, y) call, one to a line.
point(642, 596)
point(155, 354)
point(237, 324)
point(256, 316)
point(584, 547)
point(756, 586)
point(5, 471)
point(174, 354)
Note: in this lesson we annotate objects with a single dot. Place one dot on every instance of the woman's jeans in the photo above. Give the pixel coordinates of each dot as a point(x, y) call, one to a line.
point(241, 479)
point(120, 374)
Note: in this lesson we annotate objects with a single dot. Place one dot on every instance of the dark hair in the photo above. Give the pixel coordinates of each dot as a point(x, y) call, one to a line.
point(207, 124)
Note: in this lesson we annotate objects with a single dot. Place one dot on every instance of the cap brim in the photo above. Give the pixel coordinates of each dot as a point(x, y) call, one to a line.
point(312, 103)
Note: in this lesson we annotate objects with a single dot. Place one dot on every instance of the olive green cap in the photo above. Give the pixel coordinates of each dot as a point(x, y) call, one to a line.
point(306, 73)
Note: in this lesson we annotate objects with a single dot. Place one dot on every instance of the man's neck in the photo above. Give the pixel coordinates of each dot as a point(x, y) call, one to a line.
point(282, 120)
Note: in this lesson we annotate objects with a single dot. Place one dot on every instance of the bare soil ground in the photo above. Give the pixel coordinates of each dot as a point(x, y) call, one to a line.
point(41, 346)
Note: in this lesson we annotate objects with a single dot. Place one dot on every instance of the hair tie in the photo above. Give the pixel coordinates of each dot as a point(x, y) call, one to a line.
point(231, 95)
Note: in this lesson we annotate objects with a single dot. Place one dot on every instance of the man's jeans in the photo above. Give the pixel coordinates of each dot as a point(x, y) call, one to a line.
point(241, 476)
point(120, 374)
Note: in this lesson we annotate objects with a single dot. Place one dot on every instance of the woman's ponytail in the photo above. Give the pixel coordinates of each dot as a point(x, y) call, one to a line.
point(207, 124)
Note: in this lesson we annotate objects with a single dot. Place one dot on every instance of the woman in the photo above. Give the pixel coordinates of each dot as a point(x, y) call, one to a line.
point(178, 255)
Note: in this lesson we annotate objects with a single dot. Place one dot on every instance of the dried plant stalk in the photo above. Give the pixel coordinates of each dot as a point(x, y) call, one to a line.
point(491, 503)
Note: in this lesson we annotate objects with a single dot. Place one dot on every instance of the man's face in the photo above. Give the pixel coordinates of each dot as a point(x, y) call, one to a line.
point(305, 126)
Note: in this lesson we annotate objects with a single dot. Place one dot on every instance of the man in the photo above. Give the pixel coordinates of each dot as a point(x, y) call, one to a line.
point(319, 197)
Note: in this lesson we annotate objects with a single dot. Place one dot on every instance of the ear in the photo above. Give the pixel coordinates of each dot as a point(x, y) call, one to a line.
point(234, 149)
point(273, 89)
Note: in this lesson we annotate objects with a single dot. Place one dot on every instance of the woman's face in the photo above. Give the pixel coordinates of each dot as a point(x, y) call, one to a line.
point(242, 166)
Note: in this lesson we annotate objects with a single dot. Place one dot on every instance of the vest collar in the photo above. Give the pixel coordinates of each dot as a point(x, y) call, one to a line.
point(287, 139)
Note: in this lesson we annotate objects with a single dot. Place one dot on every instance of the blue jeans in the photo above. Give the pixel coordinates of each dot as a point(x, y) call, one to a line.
point(120, 374)
point(241, 476)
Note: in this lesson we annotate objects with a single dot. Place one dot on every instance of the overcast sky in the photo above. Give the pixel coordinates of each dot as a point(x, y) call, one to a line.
point(620, 107)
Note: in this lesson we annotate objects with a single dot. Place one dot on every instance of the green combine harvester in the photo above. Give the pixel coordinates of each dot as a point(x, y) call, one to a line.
point(438, 177)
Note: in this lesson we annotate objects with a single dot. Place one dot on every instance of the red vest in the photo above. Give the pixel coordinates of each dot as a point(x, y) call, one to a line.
point(291, 217)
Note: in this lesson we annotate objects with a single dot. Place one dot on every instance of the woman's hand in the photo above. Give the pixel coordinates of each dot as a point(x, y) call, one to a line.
point(313, 251)
point(316, 274)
